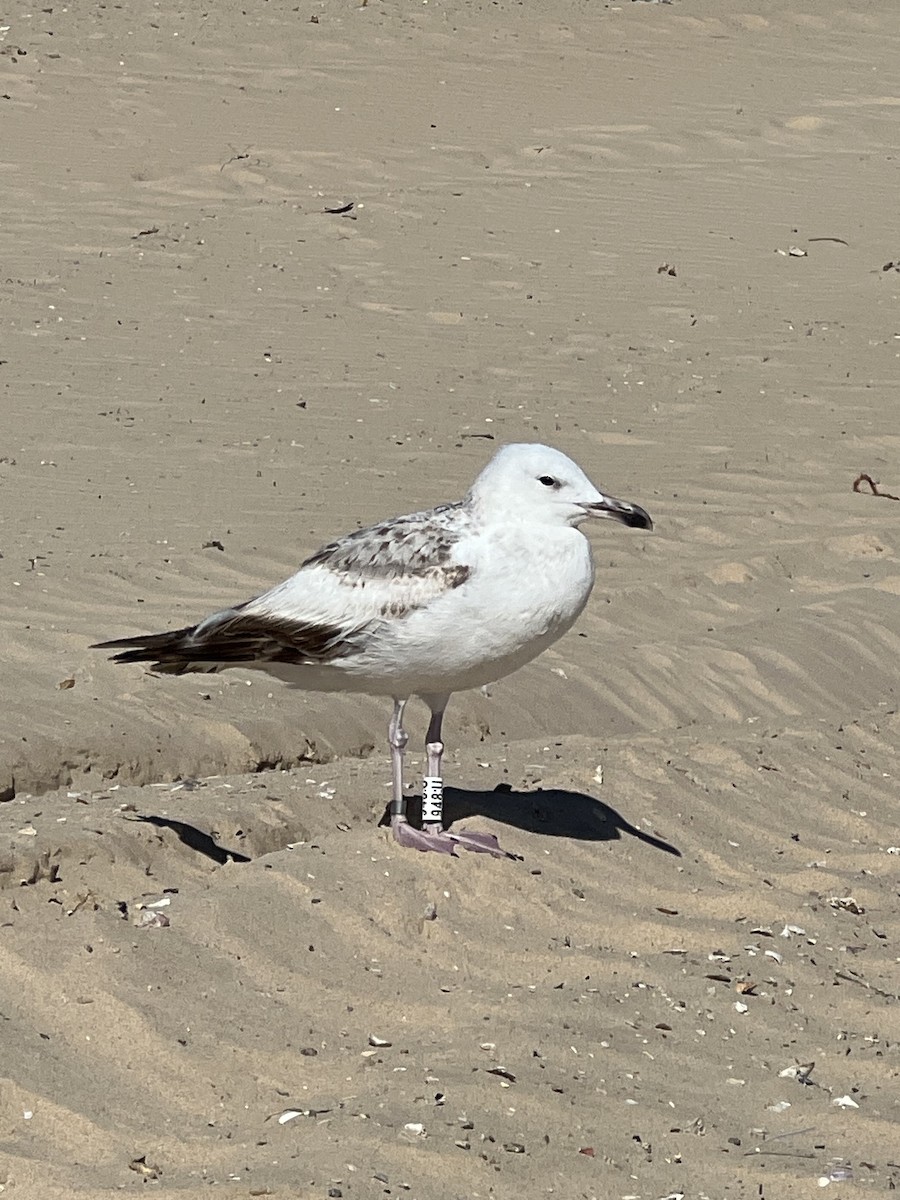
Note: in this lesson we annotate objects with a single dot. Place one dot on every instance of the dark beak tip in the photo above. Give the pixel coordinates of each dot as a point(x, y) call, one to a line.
point(623, 511)
point(638, 518)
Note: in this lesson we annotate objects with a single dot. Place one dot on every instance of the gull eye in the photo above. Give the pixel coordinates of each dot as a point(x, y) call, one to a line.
point(549, 481)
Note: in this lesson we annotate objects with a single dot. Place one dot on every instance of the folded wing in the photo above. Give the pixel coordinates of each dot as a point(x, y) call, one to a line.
point(328, 610)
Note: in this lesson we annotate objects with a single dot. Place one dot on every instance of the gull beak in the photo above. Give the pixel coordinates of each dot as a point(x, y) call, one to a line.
point(610, 509)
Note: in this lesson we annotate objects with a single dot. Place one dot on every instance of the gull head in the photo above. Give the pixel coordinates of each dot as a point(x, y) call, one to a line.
point(537, 483)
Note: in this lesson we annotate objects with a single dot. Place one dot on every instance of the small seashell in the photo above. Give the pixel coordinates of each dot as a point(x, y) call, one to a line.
point(289, 1114)
point(151, 920)
point(741, 1007)
point(845, 1102)
point(415, 1127)
point(779, 1106)
point(377, 1041)
point(141, 1167)
point(847, 904)
point(799, 1071)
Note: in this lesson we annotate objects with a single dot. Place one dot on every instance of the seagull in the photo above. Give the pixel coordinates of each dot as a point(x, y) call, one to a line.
point(424, 605)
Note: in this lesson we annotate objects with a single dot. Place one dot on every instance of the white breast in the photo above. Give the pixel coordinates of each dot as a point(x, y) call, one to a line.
point(520, 597)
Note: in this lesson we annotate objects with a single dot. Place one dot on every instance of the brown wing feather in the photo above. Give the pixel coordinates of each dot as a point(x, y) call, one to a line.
point(419, 544)
point(233, 637)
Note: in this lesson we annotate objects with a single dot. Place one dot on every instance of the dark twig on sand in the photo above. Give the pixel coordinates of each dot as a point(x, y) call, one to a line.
point(876, 488)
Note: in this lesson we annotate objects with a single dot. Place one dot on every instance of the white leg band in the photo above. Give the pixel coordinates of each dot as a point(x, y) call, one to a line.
point(433, 800)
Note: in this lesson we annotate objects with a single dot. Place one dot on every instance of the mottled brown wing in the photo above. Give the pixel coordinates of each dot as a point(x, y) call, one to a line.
point(417, 545)
point(233, 637)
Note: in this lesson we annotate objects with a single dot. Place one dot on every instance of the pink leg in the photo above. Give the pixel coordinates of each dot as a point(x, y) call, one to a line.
point(404, 833)
point(432, 835)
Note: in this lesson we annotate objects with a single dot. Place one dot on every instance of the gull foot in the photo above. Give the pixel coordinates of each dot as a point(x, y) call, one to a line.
point(433, 837)
point(479, 843)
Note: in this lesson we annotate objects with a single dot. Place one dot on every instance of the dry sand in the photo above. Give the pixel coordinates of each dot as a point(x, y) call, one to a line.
point(572, 223)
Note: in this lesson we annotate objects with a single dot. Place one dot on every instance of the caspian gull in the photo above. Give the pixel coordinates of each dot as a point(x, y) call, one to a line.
point(422, 605)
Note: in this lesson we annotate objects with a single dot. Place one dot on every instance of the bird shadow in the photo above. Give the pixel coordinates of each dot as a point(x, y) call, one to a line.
point(553, 812)
point(195, 839)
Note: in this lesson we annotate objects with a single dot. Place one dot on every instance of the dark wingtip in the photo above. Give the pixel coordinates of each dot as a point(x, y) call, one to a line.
point(144, 647)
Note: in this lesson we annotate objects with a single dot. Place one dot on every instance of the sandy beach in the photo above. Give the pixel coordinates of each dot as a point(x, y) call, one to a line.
point(273, 272)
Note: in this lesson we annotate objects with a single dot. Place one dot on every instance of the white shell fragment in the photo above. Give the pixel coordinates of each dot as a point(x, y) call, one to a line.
point(151, 920)
point(845, 1102)
point(799, 1071)
point(848, 904)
